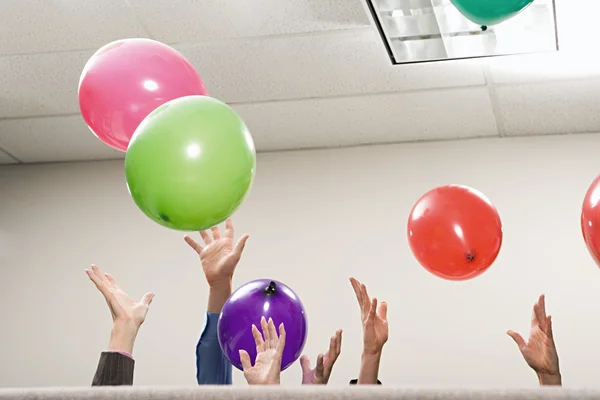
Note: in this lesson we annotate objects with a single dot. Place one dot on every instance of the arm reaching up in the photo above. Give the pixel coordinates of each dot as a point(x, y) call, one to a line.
point(322, 371)
point(375, 333)
point(269, 351)
point(540, 351)
point(219, 257)
point(116, 364)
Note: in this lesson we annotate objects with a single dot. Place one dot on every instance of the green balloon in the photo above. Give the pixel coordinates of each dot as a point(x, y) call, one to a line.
point(490, 12)
point(190, 163)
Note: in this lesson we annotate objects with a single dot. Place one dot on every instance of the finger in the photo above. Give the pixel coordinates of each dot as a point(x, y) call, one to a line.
point(549, 327)
point(193, 244)
point(542, 311)
point(366, 298)
point(305, 364)
point(272, 334)
point(372, 311)
point(534, 319)
point(245, 360)
point(338, 342)
point(239, 247)
point(258, 339)
point(356, 286)
point(539, 318)
point(320, 368)
point(216, 232)
point(112, 280)
point(265, 331)
point(281, 342)
point(229, 232)
point(101, 275)
point(517, 338)
point(332, 345)
point(365, 294)
point(98, 282)
point(382, 311)
point(147, 299)
point(206, 237)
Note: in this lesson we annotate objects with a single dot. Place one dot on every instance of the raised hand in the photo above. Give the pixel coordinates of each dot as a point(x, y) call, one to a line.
point(322, 371)
point(540, 351)
point(127, 314)
point(269, 351)
point(374, 319)
point(218, 256)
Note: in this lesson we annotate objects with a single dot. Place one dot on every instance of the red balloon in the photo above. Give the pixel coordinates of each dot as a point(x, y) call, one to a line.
point(126, 80)
point(455, 232)
point(590, 220)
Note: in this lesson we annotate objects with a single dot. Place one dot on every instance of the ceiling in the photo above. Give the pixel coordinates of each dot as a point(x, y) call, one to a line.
point(302, 73)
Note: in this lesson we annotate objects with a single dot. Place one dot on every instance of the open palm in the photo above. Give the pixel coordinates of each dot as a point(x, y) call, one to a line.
point(121, 306)
point(269, 351)
point(321, 373)
point(539, 351)
point(219, 256)
point(374, 319)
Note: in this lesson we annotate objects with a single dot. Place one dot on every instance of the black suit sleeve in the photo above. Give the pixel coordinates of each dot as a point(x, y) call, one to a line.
point(114, 369)
point(355, 382)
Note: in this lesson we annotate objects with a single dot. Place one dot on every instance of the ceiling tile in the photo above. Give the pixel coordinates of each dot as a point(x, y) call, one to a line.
point(48, 139)
point(194, 20)
point(6, 159)
point(550, 108)
point(347, 121)
point(40, 84)
point(543, 67)
point(328, 64)
point(51, 25)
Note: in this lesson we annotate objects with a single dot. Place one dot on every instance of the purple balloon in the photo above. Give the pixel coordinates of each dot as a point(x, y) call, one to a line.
point(247, 305)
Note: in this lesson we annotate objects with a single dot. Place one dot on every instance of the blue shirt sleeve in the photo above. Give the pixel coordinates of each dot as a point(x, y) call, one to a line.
point(212, 367)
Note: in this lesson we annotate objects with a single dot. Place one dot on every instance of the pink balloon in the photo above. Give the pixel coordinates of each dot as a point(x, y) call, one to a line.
point(126, 80)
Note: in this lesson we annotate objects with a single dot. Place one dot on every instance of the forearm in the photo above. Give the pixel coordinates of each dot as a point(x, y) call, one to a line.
point(550, 379)
point(212, 367)
point(217, 296)
point(122, 337)
point(369, 369)
point(114, 369)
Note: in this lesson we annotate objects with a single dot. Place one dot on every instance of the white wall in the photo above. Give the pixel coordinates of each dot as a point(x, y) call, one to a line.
point(315, 218)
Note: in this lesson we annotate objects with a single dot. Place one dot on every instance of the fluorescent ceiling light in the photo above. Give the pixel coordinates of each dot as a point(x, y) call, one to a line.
point(432, 30)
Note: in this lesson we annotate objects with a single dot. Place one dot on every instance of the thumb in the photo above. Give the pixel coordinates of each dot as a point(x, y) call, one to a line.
point(239, 247)
point(147, 299)
point(305, 364)
point(245, 360)
point(517, 338)
point(320, 368)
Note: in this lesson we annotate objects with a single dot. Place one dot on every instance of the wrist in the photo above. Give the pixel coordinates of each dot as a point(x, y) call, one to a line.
point(369, 368)
point(218, 294)
point(122, 336)
point(371, 354)
point(221, 284)
point(550, 379)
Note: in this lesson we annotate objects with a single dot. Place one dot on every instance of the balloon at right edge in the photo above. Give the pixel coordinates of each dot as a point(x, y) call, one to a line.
point(590, 220)
point(455, 232)
point(490, 12)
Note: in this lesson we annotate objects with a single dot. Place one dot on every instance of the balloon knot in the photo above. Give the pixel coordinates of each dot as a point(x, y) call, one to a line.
point(163, 217)
point(484, 28)
point(470, 256)
point(271, 289)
